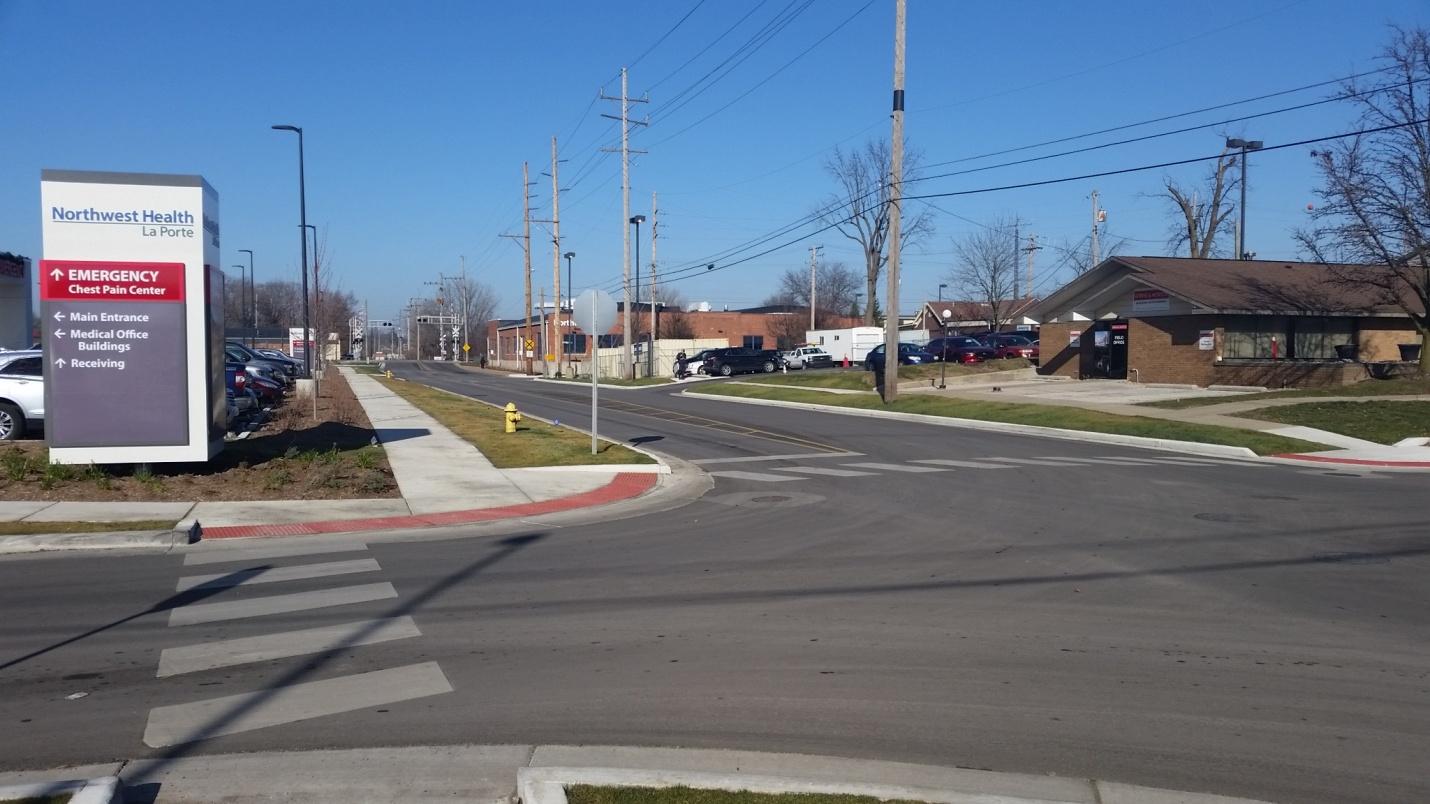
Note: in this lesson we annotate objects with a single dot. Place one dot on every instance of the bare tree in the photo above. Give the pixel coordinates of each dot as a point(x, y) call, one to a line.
point(859, 209)
point(985, 269)
point(836, 287)
point(674, 323)
point(1375, 200)
point(279, 303)
point(1078, 256)
point(1202, 212)
point(474, 301)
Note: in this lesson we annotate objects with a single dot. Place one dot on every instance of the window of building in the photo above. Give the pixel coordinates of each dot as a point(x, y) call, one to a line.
point(608, 341)
point(754, 342)
point(574, 343)
point(1286, 337)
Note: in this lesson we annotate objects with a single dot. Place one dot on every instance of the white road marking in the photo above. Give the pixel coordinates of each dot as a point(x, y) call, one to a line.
point(300, 572)
point(963, 464)
point(221, 555)
point(822, 470)
point(895, 467)
point(196, 613)
point(245, 650)
point(1032, 461)
point(800, 457)
point(756, 476)
point(1199, 461)
point(233, 714)
point(1109, 461)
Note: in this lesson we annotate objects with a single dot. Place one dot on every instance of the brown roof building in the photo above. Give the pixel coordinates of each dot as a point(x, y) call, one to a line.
point(1223, 322)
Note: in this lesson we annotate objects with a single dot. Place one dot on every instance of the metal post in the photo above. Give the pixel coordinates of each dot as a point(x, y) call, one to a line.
point(595, 374)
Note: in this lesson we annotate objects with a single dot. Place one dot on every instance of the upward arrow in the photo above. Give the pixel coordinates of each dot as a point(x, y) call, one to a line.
point(60, 362)
point(57, 274)
point(59, 316)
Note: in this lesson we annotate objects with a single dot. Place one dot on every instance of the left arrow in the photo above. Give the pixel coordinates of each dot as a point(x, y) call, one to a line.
point(57, 274)
point(59, 333)
point(59, 316)
point(60, 362)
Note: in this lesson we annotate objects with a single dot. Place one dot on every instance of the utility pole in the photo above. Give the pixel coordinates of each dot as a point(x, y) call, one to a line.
point(654, 316)
point(525, 238)
point(625, 118)
point(1030, 248)
point(813, 299)
point(545, 344)
point(1017, 247)
point(896, 191)
point(1096, 219)
point(556, 252)
point(465, 292)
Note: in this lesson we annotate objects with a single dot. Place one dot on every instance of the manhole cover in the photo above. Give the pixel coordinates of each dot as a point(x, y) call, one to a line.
point(760, 499)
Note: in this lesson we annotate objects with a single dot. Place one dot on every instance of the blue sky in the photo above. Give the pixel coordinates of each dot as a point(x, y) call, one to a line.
point(419, 115)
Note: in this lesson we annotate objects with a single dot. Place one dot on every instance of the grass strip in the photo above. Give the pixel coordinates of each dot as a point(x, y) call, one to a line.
point(1378, 421)
point(590, 794)
point(28, 528)
point(858, 379)
point(535, 443)
point(1404, 386)
point(1066, 418)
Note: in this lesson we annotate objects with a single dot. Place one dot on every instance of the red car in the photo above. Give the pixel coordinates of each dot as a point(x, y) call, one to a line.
point(1009, 344)
point(960, 349)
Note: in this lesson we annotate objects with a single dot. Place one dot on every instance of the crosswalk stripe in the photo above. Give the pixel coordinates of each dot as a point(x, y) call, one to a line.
point(822, 470)
point(895, 467)
point(756, 476)
point(299, 572)
point(233, 714)
point(1108, 461)
point(221, 555)
point(964, 464)
point(196, 613)
point(1199, 461)
point(1031, 461)
point(759, 458)
point(246, 650)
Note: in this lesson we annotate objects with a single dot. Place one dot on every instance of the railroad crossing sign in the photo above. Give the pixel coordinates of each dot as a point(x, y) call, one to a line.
point(531, 343)
point(466, 347)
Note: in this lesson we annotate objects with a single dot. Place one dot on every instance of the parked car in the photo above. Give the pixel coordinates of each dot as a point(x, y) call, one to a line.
point(807, 357)
point(696, 362)
point(22, 393)
point(960, 349)
point(910, 354)
point(1011, 344)
point(738, 360)
point(236, 377)
point(274, 354)
point(270, 370)
point(284, 370)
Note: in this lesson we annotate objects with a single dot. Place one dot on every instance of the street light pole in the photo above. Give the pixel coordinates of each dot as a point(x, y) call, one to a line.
point(571, 293)
point(637, 220)
point(1244, 145)
point(317, 295)
point(242, 301)
point(252, 300)
point(303, 237)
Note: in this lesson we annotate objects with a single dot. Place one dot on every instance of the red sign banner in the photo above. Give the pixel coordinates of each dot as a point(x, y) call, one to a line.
point(72, 280)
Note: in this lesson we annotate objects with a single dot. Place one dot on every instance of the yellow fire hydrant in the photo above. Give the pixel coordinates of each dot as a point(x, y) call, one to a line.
point(512, 417)
point(389, 373)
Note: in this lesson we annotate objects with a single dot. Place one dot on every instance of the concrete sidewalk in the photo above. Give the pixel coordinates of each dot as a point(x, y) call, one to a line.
point(443, 481)
point(498, 774)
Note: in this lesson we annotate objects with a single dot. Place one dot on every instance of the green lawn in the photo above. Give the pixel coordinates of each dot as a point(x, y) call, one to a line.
point(588, 794)
point(27, 528)
point(857, 379)
point(535, 443)
point(1404, 386)
point(1068, 418)
point(1382, 422)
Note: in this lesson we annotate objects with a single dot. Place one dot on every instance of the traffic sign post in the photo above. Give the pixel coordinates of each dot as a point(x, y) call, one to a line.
point(133, 333)
point(594, 311)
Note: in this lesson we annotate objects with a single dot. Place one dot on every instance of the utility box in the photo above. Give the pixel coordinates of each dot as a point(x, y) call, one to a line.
point(17, 314)
point(132, 316)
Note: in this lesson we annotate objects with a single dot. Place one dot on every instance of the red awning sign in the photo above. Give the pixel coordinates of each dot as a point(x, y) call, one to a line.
point(72, 280)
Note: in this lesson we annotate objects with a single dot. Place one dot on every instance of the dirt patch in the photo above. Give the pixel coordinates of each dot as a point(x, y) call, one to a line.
point(291, 457)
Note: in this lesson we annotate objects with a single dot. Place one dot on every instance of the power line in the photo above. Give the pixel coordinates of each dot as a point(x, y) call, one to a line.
point(706, 49)
point(667, 34)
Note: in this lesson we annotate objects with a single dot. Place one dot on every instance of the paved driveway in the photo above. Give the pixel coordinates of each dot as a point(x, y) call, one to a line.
point(1099, 392)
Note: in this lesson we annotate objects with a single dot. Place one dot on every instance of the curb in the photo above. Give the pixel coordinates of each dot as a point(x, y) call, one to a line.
point(113, 540)
point(547, 785)
point(601, 385)
point(623, 486)
point(102, 790)
point(1143, 442)
point(1291, 456)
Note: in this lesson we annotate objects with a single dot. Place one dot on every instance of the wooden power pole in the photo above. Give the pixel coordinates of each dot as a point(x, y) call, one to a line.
point(525, 238)
point(896, 190)
point(556, 253)
point(627, 323)
point(654, 316)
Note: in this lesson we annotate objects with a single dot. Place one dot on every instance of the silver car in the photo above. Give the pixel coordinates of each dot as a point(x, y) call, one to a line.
point(22, 393)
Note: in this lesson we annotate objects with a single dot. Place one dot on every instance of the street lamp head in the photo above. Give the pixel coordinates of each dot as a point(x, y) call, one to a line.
point(247, 251)
point(1233, 142)
point(637, 219)
point(293, 129)
point(569, 255)
point(1255, 145)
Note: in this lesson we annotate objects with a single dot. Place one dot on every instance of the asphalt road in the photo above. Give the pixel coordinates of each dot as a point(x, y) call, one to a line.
point(1244, 629)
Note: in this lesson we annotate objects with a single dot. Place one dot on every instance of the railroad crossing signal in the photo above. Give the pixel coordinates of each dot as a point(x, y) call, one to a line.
point(531, 343)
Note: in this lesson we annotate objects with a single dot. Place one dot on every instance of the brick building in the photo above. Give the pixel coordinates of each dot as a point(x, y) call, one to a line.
point(1222, 322)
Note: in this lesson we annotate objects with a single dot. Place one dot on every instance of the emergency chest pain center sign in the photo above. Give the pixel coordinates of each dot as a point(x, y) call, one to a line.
point(132, 318)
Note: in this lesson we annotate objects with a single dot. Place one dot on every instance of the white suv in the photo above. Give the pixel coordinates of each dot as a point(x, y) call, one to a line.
point(807, 357)
point(22, 393)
